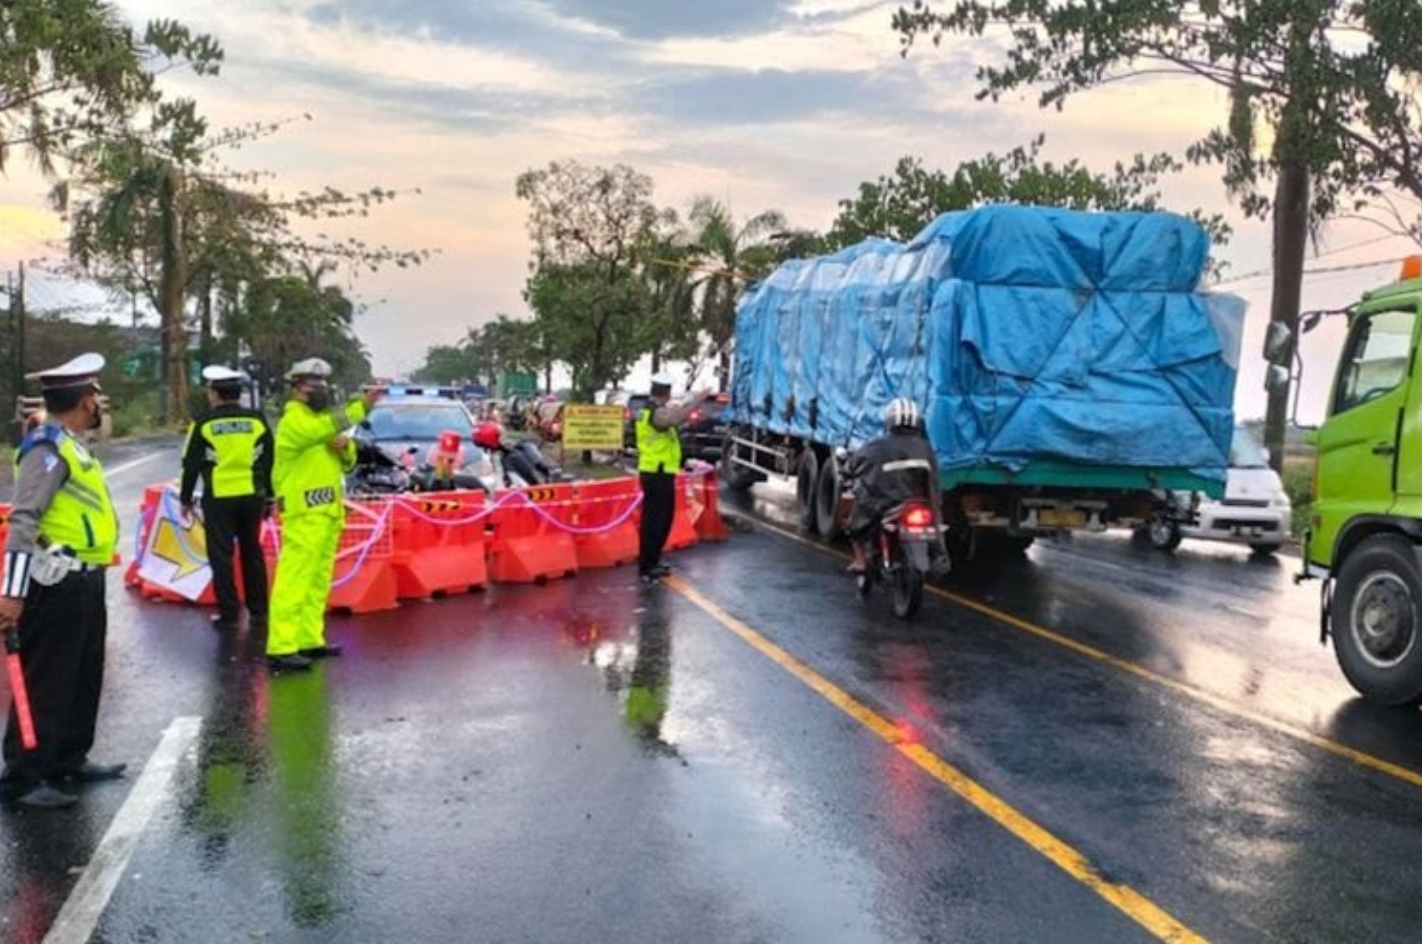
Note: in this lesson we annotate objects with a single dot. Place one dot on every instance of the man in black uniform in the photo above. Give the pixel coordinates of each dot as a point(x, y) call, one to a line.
point(889, 471)
point(63, 533)
point(230, 447)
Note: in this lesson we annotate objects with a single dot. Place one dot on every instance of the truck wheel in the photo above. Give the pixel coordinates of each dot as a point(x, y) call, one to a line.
point(1164, 535)
point(1375, 621)
point(807, 476)
point(737, 477)
point(827, 491)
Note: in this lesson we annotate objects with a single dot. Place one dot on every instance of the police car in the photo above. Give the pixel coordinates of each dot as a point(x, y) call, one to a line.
point(407, 423)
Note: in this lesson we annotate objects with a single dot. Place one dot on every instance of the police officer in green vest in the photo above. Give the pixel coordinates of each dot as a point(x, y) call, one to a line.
point(230, 448)
point(658, 462)
point(63, 533)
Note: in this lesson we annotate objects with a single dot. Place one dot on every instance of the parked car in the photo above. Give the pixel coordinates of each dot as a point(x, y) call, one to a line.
point(1254, 510)
point(703, 435)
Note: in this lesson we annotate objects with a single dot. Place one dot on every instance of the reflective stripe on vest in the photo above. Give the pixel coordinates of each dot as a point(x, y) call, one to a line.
point(658, 450)
point(81, 517)
point(234, 445)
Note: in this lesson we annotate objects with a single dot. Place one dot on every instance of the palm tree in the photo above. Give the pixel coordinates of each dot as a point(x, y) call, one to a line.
point(732, 257)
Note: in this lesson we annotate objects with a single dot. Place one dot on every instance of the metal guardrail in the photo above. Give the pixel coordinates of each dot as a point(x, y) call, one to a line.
point(26, 407)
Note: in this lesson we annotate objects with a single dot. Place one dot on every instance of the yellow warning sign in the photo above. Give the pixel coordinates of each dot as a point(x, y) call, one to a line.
point(586, 426)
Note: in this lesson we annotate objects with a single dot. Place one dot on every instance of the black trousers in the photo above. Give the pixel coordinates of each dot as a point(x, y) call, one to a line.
point(658, 506)
point(239, 519)
point(63, 630)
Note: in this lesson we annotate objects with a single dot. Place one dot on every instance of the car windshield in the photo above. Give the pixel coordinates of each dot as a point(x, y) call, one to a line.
point(1246, 452)
point(418, 420)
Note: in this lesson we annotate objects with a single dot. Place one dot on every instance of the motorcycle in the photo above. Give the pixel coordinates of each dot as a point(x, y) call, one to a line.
point(901, 555)
point(376, 472)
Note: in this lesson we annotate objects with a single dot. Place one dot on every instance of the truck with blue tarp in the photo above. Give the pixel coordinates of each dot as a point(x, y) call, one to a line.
point(1070, 369)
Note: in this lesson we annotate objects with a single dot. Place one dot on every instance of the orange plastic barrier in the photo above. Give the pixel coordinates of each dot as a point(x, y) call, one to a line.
point(364, 581)
point(148, 517)
point(683, 530)
point(709, 524)
point(529, 543)
point(440, 544)
point(607, 515)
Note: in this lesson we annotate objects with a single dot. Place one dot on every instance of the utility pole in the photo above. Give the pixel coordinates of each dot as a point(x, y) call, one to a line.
point(17, 304)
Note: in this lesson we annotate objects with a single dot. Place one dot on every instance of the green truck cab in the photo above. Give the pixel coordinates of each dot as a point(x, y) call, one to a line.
point(1364, 532)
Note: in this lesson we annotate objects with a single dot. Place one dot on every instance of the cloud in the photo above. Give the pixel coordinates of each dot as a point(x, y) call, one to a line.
point(661, 19)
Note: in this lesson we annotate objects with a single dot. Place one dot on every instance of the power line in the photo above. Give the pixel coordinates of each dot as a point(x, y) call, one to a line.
point(1260, 273)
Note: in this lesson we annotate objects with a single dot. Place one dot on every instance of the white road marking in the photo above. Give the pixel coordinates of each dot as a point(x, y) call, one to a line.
point(81, 912)
point(134, 464)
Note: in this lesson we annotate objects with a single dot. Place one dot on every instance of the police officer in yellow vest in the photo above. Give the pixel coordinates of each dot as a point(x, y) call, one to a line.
point(313, 453)
point(63, 533)
point(658, 462)
point(230, 448)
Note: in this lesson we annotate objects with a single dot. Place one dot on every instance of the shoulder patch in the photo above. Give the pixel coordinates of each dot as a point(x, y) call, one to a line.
point(45, 433)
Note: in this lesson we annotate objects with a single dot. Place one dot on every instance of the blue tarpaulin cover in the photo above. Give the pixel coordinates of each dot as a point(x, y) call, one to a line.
point(1026, 333)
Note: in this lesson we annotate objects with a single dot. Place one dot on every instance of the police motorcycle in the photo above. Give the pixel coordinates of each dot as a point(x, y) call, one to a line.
point(490, 466)
point(518, 464)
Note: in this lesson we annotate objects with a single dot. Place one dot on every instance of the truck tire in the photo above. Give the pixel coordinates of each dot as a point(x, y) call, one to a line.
point(807, 477)
point(827, 491)
point(1376, 621)
point(1164, 535)
point(737, 477)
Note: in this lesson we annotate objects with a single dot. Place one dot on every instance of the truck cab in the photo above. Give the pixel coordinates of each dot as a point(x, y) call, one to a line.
point(1364, 533)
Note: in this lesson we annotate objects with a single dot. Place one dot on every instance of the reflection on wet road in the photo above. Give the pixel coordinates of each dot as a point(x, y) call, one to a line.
point(1091, 744)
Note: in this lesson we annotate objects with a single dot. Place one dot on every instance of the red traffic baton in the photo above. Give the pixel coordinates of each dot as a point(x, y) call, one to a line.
point(18, 691)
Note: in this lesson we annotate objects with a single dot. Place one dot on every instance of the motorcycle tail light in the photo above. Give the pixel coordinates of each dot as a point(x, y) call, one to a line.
point(919, 517)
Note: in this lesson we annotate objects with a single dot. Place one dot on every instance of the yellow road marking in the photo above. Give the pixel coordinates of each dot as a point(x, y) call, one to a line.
point(1133, 904)
point(1361, 758)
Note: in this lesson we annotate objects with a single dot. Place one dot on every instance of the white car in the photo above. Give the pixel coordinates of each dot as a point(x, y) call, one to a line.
point(1255, 510)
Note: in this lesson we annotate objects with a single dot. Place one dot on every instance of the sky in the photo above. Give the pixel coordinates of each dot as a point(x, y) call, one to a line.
point(761, 104)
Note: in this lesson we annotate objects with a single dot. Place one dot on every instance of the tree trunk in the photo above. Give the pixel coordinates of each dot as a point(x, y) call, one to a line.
point(1291, 209)
point(170, 297)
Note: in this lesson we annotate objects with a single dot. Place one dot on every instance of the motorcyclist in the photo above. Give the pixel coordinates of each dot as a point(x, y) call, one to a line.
point(897, 467)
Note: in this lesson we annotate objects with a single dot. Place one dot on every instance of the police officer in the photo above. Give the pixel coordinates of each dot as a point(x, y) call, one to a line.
point(658, 462)
point(313, 453)
point(63, 532)
point(230, 447)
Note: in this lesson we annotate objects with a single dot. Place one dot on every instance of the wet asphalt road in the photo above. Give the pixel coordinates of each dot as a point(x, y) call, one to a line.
point(1093, 744)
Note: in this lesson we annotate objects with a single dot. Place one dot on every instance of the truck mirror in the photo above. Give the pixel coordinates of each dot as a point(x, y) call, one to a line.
point(1276, 378)
point(1277, 342)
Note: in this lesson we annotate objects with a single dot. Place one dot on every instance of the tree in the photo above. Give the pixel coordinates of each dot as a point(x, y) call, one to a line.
point(593, 229)
point(153, 215)
point(445, 363)
point(732, 256)
point(287, 318)
point(74, 70)
point(897, 207)
point(1322, 98)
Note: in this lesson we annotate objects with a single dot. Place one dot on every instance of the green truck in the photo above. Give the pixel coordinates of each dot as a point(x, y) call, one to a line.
point(1364, 531)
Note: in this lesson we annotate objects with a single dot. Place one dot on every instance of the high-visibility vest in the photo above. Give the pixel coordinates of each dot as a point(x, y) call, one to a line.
point(658, 450)
point(81, 517)
point(308, 476)
point(234, 441)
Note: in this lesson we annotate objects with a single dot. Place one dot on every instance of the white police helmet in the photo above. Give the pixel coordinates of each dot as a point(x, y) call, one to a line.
point(311, 367)
point(901, 413)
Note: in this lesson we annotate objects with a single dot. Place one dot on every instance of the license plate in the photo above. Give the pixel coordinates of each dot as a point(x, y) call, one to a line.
point(1060, 518)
